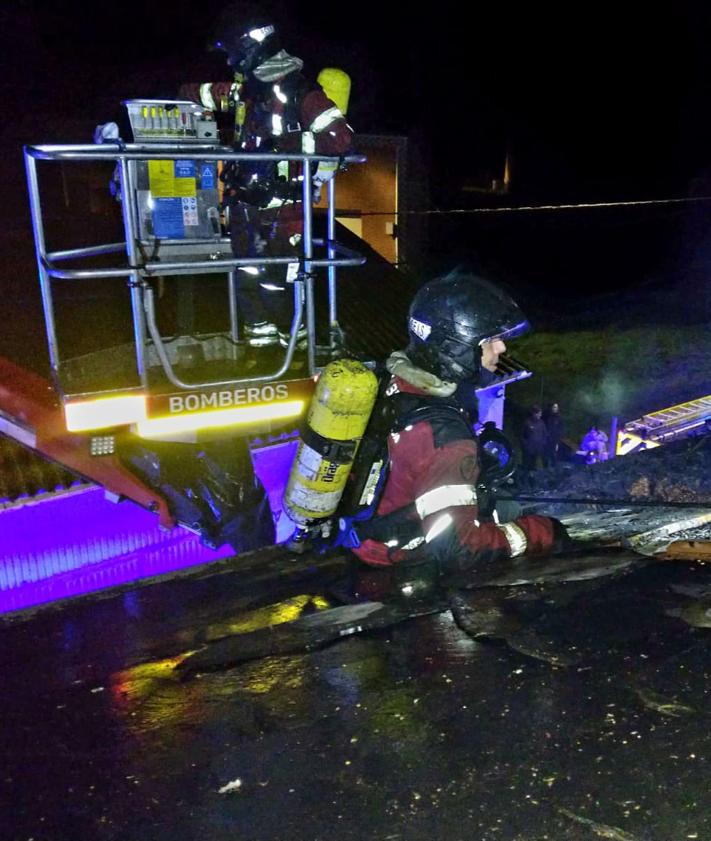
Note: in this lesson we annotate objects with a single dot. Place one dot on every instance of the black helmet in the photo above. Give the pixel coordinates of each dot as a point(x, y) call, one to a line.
point(449, 319)
point(247, 41)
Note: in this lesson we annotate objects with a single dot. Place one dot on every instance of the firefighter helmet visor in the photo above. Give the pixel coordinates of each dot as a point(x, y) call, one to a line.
point(247, 50)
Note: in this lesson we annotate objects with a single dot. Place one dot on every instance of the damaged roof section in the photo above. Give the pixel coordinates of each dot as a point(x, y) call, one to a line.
point(656, 502)
point(677, 474)
point(659, 531)
point(24, 474)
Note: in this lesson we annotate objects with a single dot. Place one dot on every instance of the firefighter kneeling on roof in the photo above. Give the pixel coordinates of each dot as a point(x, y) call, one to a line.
point(417, 480)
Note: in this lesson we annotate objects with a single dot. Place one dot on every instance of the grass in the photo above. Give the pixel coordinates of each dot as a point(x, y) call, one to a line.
point(596, 374)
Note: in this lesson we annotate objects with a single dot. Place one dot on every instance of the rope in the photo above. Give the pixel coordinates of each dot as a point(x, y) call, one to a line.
point(588, 501)
point(538, 207)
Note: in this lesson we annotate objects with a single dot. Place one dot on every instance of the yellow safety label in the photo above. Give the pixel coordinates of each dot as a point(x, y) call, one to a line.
point(164, 184)
point(185, 188)
point(161, 179)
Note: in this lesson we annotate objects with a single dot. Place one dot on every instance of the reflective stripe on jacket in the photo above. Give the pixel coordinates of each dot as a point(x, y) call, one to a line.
point(437, 469)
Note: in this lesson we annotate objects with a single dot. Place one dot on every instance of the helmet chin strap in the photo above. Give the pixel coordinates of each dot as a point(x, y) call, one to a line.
point(463, 360)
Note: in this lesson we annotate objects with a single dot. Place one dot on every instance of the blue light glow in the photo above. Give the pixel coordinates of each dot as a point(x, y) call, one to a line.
point(78, 542)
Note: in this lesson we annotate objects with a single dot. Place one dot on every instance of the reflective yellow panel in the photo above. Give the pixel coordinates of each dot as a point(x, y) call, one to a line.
point(105, 412)
point(628, 442)
point(217, 418)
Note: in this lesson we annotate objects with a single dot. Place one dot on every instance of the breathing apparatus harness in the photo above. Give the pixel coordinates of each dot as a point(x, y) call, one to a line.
point(356, 519)
point(259, 183)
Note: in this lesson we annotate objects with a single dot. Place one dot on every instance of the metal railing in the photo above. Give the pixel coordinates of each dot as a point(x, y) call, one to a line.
point(138, 268)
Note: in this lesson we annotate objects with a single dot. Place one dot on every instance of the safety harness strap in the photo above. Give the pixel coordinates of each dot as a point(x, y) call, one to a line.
point(402, 528)
point(323, 120)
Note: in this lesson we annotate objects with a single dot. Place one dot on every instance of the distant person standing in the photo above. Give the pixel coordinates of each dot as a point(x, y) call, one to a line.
point(554, 434)
point(534, 439)
point(594, 445)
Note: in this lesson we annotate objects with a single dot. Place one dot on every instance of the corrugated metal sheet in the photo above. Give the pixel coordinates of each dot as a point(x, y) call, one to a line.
point(77, 541)
point(23, 473)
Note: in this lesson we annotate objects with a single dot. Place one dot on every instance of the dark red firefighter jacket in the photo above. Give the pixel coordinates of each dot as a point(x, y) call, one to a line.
point(434, 465)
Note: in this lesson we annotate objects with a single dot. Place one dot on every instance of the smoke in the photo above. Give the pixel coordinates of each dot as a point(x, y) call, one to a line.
point(605, 398)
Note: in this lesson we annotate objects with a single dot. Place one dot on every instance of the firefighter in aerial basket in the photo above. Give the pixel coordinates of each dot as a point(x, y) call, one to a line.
point(273, 107)
point(420, 491)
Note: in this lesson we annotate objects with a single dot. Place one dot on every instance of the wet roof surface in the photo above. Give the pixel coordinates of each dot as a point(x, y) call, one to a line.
point(418, 731)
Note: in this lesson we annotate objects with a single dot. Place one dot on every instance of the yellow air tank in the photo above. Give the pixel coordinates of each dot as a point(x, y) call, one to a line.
point(337, 418)
point(336, 85)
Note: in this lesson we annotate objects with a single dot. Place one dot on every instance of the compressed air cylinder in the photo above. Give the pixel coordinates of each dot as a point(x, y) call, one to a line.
point(337, 418)
point(336, 84)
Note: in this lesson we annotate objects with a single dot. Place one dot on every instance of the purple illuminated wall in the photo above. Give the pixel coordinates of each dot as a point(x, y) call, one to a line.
point(78, 542)
point(272, 465)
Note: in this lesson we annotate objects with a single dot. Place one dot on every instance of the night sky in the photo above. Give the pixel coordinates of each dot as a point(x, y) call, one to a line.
point(600, 102)
point(607, 98)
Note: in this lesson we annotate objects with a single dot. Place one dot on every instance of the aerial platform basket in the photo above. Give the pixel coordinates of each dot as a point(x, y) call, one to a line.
point(170, 207)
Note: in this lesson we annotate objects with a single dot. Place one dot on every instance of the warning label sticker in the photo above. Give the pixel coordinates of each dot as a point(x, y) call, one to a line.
point(161, 179)
point(190, 211)
point(172, 179)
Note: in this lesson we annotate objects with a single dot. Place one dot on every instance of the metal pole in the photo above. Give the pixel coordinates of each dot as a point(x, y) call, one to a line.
point(92, 251)
point(133, 152)
point(334, 329)
point(232, 289)
point(40, 253)
point(135, 280)
point(308, 254)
